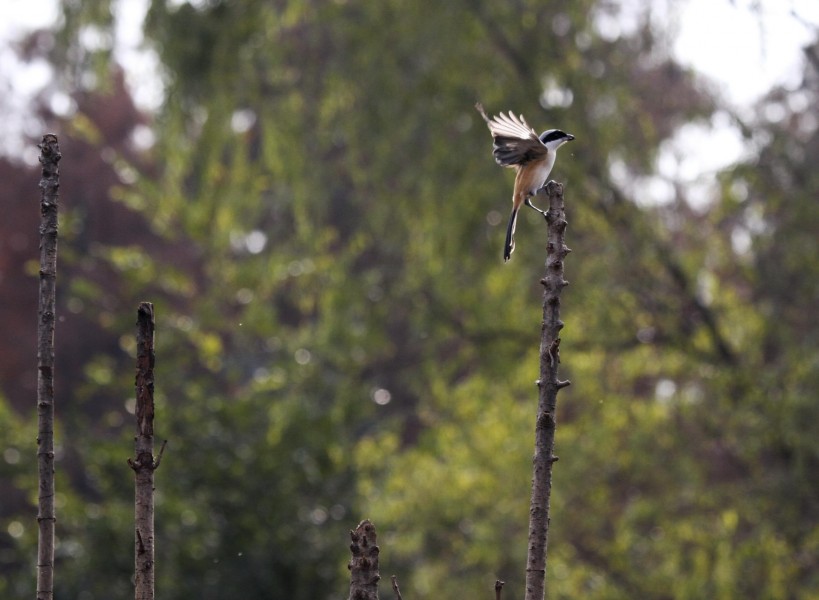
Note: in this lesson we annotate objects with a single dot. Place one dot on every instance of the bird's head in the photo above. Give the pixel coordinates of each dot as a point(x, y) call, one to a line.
point(555, 138)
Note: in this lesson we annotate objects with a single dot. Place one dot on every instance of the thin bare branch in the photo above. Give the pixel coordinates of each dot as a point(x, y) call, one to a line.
point(395, 587)
point(46, 516)
point(144, 463)
point(548, 387)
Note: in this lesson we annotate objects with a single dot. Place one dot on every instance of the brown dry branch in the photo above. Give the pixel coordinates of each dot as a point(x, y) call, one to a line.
point(548, 386)
point(46, 517)
point(144, 463)
point(363, 565)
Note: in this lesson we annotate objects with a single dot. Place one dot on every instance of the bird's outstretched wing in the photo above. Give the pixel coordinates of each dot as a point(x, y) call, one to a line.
point(516, 143)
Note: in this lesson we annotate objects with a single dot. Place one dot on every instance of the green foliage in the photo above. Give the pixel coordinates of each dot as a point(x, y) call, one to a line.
point(321, 229)
point(18, 485)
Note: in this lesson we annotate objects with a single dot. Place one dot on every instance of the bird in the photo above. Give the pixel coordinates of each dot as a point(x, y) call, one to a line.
point(516, 145)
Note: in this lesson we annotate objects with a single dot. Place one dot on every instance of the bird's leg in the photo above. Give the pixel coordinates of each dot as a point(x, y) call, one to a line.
point(528, 203)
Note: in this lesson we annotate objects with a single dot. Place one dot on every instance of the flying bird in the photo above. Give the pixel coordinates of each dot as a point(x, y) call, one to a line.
point(517, 145)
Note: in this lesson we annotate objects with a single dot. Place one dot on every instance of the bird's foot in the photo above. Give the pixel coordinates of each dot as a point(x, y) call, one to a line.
point(528, 203)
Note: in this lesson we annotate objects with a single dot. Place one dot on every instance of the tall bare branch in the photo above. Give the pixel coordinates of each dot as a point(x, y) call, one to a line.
point(548, 386)
point(144, 463)
point(46, 517)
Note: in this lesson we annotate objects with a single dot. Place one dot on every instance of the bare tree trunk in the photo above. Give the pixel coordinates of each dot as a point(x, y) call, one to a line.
point(548, 386)
point(364, 575)
point(46, 519)
point(144, 464)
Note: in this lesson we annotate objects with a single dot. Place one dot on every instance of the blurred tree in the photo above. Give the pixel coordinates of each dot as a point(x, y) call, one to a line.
point(319, 223)
point(18, 485)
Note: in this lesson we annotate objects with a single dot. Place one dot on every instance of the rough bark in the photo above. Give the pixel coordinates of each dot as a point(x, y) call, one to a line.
point(548, 387)
point(363, 565)
point(46, 517)
point(144, 463)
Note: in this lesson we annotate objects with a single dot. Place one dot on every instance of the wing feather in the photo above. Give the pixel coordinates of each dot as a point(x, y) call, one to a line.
point(515, 142)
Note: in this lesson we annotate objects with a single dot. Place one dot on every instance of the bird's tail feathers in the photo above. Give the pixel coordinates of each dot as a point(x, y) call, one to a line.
point(509, 247)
